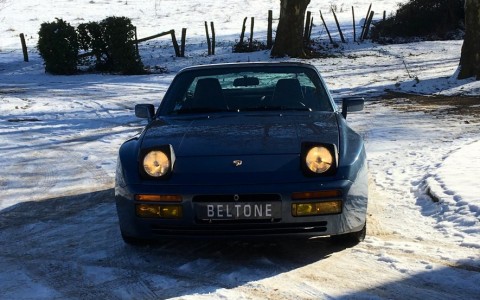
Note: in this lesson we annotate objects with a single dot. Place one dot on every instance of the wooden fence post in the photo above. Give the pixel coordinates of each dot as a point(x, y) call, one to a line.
point(310, 31)
point(250, 42)
point(338, 26)
point(307, 27)
point(269, 30)
point(208, 39)
point(365, 22)
point(354, 30)
point(242, 35)
point(326, 28)
point(24, 47)
point(365, 35)
point(136, 41)
point(175, 44)
point(184, 37)
point(213, 37)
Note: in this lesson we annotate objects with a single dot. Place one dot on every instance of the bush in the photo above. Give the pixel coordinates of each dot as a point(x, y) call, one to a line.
point(58, 46)
point(428, 19)
point(111, 42)
point(120, 53)
point(243, 47)
point(90, 37)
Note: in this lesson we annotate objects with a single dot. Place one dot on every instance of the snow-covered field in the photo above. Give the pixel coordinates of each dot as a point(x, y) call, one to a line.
point(59, 136)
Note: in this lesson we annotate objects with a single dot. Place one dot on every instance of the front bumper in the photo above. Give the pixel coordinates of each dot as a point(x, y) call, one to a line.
point(351, 219)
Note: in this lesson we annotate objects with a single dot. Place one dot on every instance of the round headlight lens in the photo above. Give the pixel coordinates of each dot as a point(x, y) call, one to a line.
point(156, 163)
point(319, 160)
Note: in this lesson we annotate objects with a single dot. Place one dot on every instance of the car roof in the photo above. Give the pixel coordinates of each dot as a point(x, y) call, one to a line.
point(247, 64)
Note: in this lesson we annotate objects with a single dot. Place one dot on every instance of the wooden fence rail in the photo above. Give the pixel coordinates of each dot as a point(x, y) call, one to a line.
point(137, 41)
point(155, 36)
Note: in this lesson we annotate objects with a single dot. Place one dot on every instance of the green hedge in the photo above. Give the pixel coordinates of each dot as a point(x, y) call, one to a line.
point(119, 37)
point(111, 43)
point(58, 46)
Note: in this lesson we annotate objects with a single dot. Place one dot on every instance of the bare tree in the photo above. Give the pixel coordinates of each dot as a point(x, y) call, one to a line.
point(470, 59)
point(289, 37)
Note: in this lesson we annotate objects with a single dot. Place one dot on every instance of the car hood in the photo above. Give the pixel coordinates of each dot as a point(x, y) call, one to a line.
point(224, 135)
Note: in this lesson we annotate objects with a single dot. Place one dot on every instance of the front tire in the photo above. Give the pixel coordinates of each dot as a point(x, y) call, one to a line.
point(351, 238)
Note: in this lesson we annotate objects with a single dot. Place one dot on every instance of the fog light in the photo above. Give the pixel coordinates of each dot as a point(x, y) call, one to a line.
point(316, 208)
point(159, 211)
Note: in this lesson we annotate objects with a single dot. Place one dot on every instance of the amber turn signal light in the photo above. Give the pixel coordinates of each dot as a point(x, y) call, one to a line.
point(317, 195)
point(158, 198)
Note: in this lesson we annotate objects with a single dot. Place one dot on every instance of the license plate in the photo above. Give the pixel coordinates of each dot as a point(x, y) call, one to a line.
point(238, 211)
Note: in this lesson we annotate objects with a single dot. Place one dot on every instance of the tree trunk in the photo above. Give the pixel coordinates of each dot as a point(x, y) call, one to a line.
point(470, 59)
point(289, 37)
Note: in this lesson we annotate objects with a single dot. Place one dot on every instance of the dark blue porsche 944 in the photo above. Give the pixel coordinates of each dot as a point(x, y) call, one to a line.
point(244, 150)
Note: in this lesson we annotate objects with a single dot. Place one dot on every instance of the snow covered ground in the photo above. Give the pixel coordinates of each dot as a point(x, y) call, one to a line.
point(59, 136)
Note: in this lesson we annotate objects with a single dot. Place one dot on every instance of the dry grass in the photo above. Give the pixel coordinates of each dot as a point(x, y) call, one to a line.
point(466, 108)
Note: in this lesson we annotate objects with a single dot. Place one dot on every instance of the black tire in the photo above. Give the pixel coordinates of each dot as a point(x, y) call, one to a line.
point(134, 241)
point(351, 238)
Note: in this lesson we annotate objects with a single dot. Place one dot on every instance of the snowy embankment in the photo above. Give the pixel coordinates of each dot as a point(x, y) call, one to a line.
point(60, 136)
point(455, 186)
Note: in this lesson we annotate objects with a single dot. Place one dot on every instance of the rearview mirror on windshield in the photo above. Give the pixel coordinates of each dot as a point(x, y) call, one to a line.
point(246, 81)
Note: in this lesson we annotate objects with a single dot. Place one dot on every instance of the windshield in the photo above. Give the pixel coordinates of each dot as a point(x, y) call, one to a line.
point(249, 89)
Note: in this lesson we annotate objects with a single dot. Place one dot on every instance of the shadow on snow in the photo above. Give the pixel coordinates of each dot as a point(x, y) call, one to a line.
point(71, 246)
point(60, 242)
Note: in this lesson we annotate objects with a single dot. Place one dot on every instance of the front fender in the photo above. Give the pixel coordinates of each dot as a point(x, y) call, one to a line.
point(127, 163)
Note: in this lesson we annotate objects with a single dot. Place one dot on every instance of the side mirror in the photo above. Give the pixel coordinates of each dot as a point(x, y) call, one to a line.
point(352, 104)
point(145, 111)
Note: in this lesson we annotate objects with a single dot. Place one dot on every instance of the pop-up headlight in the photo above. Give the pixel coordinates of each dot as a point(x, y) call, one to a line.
point(319, 159)
point(158, 162)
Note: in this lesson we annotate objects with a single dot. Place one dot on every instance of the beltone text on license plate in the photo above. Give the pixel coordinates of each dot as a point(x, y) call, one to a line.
point(238, 210)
